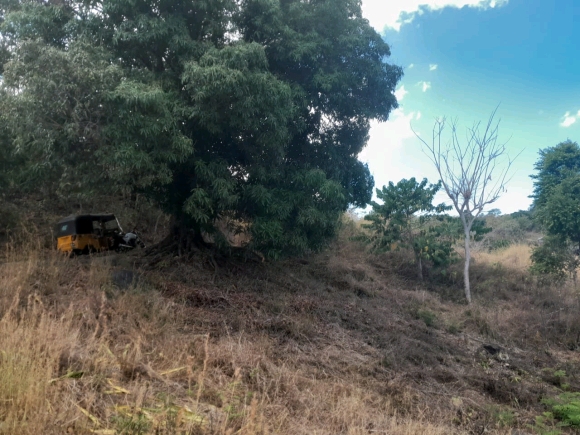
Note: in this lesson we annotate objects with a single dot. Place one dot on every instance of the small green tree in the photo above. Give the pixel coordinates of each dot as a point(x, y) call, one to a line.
point(408, 219)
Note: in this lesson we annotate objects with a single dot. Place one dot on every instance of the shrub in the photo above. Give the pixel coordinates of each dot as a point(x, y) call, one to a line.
point(427, 316)
point(566, 408)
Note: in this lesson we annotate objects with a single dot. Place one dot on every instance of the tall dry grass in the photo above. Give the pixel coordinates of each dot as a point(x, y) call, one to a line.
point(515, 307)
point(32, 342)
point(78, 355)
point(515, 257)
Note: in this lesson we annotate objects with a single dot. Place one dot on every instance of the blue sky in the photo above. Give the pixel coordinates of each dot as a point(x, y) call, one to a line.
point(464, 57)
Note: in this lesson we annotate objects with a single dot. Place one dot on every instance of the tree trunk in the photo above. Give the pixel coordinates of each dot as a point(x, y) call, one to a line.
point(187, 239)
point(419, 268)
point(466, 268)
point(181, 239)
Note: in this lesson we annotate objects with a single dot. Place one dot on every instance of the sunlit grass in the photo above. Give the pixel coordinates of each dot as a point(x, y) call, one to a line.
point(515, 257)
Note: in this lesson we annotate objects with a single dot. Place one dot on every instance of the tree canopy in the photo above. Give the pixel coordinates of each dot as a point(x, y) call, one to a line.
point(253, 110)
point(557, 191)
point(408, 219)
point(556, 207)
point(553, 166)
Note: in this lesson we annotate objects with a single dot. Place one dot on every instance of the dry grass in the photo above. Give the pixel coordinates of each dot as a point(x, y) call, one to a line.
point(514, 257)
point(80, 356)
point(344, 342)
point(32, 341)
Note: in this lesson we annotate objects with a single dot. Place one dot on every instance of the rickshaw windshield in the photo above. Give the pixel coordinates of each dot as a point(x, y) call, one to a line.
point(65, 229)
point(111, 225)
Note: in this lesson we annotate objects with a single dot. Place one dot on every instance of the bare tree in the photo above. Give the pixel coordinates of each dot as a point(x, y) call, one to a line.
point(473, 174)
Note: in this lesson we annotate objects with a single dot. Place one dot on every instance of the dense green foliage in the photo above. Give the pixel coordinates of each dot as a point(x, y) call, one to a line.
point(6, 161)
point(554, 165)
point(557, 208)
point(408, 219)
point(553, 259)
point(566, 408)
point(253, 110)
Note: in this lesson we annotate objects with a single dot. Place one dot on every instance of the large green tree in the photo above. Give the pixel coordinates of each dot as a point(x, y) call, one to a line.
point(253, 110)
point(553, 166)
point(556, 207)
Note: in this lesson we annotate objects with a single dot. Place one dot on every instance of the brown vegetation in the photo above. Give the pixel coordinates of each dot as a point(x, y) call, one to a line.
point(343, 342)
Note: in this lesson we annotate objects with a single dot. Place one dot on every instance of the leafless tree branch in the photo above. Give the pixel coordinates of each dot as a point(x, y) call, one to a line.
point(474, 173)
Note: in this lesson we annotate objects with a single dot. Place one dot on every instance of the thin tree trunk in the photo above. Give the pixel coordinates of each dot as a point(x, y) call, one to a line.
point(466, 268)
point(419, 268)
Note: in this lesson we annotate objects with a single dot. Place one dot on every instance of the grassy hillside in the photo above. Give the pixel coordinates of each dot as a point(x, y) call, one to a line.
point(343, 342)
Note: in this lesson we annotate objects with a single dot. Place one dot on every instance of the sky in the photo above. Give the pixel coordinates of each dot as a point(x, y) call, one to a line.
point(464, 58)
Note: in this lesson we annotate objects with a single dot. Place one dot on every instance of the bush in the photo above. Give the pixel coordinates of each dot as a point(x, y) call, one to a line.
point(566, 408)
point(427, 316)
point(553, 260)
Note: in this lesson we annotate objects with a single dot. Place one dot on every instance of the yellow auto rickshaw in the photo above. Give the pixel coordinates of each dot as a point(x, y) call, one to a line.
point(83, 234)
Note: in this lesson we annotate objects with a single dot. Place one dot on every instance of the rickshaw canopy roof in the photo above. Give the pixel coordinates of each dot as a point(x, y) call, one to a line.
point(103, 217)
point(81, 224)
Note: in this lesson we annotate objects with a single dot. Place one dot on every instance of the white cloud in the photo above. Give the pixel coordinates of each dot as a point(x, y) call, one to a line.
point(391, 133)
point(394, 14)
point(425, 85)
point(432, 67)
point(400, 93)
point(386, 139)
point(393, 152)
point(412, 65)
point(569, 119)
